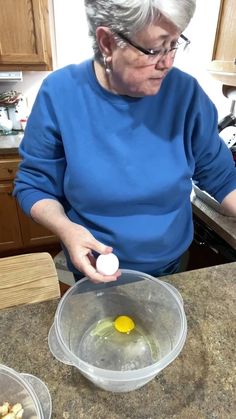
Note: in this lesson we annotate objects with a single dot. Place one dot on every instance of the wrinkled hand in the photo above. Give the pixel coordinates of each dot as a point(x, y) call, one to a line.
point(80, 244)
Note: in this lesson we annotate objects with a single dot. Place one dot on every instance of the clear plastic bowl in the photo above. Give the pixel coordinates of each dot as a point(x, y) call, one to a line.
point(26, 389)
point(83, 333)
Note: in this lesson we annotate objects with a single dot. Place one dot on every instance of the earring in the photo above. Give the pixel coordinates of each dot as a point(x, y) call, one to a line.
point(107, 68)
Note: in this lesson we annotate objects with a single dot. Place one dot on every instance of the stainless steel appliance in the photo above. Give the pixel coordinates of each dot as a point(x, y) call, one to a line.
point(208, 248)
point(227, 130)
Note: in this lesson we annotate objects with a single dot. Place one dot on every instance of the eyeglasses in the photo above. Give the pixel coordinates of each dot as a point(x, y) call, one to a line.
point(182, 42)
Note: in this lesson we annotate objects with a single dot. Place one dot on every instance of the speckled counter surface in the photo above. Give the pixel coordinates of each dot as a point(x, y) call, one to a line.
point(200, 383)
point(9, 144)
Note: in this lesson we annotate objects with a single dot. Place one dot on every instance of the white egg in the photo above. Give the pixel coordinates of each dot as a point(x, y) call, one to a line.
point(107, 264)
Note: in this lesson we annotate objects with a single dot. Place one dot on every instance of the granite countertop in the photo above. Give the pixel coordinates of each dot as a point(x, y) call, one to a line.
point(9, 144)
point(200, 383)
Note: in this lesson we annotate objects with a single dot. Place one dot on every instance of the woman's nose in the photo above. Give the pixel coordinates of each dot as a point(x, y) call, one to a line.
point(165, 61)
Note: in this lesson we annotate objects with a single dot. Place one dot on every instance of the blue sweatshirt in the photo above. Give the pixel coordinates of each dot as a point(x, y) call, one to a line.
point(123, 167)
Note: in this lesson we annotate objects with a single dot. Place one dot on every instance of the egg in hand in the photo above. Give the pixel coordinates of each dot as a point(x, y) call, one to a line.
point(107, 264)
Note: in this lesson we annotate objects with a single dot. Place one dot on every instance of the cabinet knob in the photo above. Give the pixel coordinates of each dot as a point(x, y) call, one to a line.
point(10, 171)
point(235, 61)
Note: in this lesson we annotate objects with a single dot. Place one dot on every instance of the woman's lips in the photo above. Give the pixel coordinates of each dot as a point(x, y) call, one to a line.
point(157, 78)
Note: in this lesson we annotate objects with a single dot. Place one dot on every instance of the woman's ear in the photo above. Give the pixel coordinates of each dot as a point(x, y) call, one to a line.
point(105, 40)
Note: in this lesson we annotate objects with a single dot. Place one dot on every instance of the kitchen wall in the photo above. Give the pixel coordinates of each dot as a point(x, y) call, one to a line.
point(73, 46)
point(201, 32)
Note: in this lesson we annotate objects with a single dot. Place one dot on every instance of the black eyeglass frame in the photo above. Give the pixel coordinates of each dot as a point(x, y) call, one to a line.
point(152, 51)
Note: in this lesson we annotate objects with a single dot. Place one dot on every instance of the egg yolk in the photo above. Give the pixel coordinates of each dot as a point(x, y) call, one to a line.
point(124, 324)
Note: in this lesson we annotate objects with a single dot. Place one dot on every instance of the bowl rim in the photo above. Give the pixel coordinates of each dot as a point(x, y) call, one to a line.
point(20, 378)
point(140, 373)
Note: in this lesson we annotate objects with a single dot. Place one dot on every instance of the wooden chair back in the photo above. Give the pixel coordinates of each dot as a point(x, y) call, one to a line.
point(27, 279)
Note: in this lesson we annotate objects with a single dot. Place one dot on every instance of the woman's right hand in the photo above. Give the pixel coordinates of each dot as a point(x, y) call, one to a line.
point(80, 244)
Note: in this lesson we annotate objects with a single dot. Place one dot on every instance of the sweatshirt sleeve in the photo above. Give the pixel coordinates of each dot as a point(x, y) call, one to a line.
point(41, 171)
point(215, 170)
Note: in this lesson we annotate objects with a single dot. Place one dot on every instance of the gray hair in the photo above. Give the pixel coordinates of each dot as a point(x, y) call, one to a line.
point(131, 16)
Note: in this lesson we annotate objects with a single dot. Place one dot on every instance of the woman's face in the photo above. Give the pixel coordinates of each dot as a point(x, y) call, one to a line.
point(136, 74)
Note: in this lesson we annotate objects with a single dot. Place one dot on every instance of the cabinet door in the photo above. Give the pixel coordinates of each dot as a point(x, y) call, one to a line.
point(223, 65)
point(34, 234)
point(24, 35)
point(10, 233)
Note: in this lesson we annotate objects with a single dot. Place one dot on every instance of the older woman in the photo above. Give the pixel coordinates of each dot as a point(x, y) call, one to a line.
point(112, 144)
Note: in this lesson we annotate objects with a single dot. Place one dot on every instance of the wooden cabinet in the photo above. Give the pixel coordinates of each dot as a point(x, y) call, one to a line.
point(223, 64)
point(10, 232)
point(25, 42)
point(34, 234)
point(17, 231)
